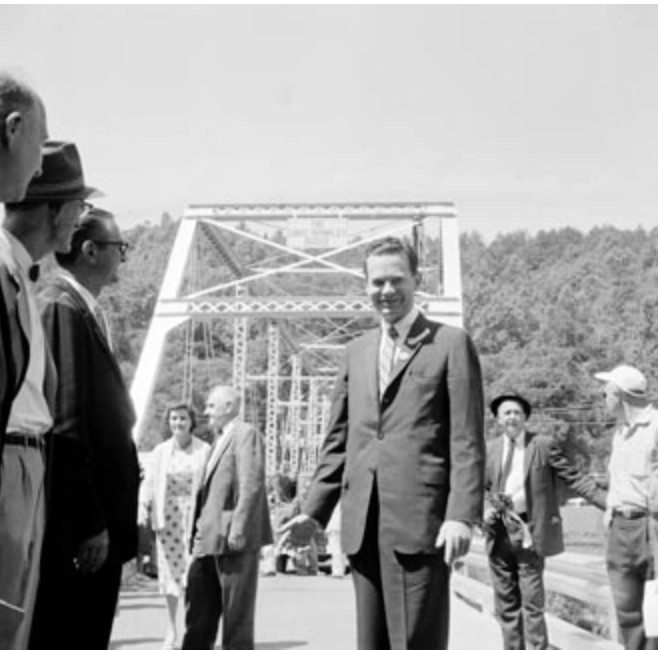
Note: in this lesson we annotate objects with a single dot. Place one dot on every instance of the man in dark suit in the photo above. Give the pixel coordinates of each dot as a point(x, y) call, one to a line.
point(405, 452)
point(92, 462)
point(230, 526)
point(525, 467)
point(40, 224)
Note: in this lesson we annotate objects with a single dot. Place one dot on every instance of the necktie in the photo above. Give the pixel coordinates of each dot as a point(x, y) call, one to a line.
point(386, 357)
point(506, 469)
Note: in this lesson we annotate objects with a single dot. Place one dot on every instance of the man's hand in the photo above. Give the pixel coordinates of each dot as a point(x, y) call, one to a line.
point(455, 536)
point(92, 553)
point(490, 515)
point(298, 530)
point(236, 542)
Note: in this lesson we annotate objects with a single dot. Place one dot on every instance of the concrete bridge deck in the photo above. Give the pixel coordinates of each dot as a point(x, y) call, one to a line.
point(293, 612)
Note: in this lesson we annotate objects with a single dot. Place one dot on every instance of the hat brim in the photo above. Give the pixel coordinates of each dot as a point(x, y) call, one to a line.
point(526, 406)
point(85, 193)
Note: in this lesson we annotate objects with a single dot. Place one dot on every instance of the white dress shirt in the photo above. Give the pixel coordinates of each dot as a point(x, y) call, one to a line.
point(515, 484)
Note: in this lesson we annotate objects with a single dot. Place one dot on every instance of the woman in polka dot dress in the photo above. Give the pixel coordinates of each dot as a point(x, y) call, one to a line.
point(167, 500)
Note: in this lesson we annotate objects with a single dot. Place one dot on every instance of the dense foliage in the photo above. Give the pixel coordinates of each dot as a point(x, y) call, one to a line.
point(546, 311)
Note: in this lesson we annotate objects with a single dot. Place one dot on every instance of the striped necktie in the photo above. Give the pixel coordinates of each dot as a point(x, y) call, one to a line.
point(387, 351)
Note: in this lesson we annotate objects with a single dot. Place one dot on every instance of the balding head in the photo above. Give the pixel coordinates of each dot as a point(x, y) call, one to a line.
point(22, 132)
point(222, 406)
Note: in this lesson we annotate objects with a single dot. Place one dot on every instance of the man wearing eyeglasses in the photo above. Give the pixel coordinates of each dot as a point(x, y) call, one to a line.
point(41, 223)
point(93, 485)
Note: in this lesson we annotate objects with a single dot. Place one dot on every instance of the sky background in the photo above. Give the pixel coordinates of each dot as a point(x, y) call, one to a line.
point(526, 116)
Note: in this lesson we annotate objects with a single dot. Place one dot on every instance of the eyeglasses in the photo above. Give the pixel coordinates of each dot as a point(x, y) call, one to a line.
point(123, 246)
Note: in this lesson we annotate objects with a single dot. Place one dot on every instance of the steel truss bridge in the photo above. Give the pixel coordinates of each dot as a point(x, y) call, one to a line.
point(288, 280)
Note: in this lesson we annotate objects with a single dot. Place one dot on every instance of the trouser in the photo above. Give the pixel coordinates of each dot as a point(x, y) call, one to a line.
point(21, 537)
point(221, 585)
point(629, 565)
point(517, 576)
point(75, 610)
point(402, 600)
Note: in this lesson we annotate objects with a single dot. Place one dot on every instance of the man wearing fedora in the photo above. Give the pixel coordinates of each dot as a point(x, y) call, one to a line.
point(632, 500)
point(43, 222)
point(522, 469)
point(94, 473)
point(22, 132)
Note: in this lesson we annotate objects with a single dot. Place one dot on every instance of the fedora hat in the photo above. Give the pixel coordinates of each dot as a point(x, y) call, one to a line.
point(511, 397)
point(62, 177)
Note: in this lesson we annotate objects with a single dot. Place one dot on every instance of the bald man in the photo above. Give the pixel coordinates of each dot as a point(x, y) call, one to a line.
point(231, 524)
point(22, 132)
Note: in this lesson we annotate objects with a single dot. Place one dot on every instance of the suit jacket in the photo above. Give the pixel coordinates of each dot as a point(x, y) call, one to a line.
point(231, 493)
point(14, 337)
point(153, 488)
point(544, 465)
point(93, 473)
point(422, 444)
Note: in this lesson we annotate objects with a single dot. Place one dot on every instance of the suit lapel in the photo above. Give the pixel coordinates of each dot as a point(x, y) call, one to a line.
point(530, 447)
point(217, 452)
point(496, 460)
point(370, 352)
point(91, 320)
point(418, 335)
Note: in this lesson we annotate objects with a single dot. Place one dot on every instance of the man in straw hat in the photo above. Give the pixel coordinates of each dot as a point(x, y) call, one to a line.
point(522, 470)
point(22, 132)
point(632, 500)
point(43, 222)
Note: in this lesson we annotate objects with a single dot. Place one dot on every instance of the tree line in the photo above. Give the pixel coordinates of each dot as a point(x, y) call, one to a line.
point(546, 311)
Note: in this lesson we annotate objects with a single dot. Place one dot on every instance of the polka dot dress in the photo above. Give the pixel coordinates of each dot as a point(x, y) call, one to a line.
point(171, 542)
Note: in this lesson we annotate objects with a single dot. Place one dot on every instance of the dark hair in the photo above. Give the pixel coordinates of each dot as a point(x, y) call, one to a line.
point(180, 406)
point(393, 246)
point(90, 227)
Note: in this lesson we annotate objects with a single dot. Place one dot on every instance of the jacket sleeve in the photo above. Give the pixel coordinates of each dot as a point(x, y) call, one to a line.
point(467, 446)
point(71, 484)
point(576, 479)
point(250, 472)
point(325, 488)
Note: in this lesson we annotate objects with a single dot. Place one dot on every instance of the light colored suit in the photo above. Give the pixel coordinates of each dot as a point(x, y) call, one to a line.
point(231, 499)
point(402, 465)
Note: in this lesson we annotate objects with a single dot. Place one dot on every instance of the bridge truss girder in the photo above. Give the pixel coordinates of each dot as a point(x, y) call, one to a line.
point(252, 292)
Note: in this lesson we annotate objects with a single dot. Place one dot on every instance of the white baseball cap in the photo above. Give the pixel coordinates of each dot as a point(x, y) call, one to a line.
point(628, 379)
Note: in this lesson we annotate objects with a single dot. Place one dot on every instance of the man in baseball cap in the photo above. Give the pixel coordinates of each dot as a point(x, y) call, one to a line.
point(632, 500)
point(43, 222)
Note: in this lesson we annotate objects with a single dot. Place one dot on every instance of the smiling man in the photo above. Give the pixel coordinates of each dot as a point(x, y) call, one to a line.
point(525, 467)
point(405, 452)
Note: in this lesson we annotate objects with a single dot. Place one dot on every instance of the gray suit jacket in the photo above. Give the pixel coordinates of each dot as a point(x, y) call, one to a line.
point(231, 494)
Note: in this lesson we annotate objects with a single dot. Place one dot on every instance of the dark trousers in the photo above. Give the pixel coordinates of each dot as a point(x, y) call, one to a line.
point(517, 576)
point(221, 585)
point(629, 565)
point(74, 610)
point(402, 601)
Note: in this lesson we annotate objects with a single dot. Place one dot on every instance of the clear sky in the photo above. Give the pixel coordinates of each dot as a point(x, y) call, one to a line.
point(527, 116)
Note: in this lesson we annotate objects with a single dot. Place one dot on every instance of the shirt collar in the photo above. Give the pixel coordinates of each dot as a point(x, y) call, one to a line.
point(403, 325)
point(91, 302)
point(21, 256)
